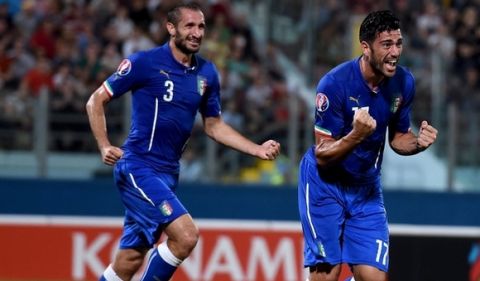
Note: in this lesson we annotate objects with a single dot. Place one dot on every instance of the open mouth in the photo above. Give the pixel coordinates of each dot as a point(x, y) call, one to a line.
point(194, 41)
point(391, 65)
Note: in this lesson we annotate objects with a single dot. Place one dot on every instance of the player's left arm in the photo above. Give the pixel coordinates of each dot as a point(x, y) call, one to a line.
point(408, 143)
point(223, 133)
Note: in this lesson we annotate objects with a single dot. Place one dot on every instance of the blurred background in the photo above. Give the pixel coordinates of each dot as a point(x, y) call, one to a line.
point(270, 55)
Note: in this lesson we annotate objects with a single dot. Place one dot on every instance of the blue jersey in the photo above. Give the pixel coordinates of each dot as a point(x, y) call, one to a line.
point(342, 91)
point(166, 97)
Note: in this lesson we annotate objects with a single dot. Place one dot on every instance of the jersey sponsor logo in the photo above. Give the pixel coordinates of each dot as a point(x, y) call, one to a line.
point(124, 67)
point(201, 85)
point(321, 102)
point(166, 209)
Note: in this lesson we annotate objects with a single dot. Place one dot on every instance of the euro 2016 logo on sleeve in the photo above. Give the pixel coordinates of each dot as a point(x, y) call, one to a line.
point(124, 67)
point(165, 208)
point(321, 102)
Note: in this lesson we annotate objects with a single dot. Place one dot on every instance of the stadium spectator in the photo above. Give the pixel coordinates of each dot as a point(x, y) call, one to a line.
point(78, 25)
point(37, 78)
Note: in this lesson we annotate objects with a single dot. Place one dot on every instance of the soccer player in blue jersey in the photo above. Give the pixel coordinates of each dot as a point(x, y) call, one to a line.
point(339, 191)
point(169, 85)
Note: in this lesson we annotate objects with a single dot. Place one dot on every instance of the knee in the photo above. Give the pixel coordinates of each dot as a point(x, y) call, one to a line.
point(183, 243)
point(189, 240)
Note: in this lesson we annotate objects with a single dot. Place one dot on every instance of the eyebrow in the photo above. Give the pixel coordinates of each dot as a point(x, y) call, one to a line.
point(391, 40)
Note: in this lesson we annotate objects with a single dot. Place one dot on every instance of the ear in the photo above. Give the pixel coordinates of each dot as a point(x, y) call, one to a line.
point(365, 48)
point(171, 29)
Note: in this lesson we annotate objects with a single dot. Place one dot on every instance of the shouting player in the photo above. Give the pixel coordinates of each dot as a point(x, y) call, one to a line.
point(339, 191)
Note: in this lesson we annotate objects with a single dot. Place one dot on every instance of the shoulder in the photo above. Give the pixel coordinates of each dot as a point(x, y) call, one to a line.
point(405, 73)
point(404, 77)
point(141, 57)
point(206, 67)
point(342, 72)
point(205, 64)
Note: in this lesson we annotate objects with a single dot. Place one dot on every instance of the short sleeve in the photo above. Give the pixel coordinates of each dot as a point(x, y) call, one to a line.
point(401, 122)
point(210, 106)
point(129, 74)
point(329, 118)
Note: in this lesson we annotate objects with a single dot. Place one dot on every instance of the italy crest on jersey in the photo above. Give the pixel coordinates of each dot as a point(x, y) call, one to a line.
point(395, 104)
point(165, 208)
point(201, 85)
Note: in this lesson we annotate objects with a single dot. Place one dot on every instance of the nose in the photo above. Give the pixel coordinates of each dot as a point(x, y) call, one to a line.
point(395, 51)
point(197, 32)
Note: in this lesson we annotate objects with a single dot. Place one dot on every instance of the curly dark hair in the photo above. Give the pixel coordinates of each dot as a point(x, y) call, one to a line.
point(378, 22)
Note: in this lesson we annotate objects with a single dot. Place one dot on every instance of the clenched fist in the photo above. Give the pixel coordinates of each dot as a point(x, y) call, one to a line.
point(269, 150)
point(111, 154)
point(426, 135)
point(363, 124)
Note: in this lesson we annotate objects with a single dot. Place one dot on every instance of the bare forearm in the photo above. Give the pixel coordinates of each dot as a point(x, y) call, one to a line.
point(226, 135)
point(98, 123)
point(330, 151)
point(221, 132)
point(96, 116)
point(405, 144)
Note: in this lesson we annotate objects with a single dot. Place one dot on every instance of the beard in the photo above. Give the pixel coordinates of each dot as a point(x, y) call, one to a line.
point(377, 65)
point(182, 45)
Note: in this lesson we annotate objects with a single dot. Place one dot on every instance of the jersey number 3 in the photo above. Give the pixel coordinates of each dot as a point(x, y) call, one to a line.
point(168, 96)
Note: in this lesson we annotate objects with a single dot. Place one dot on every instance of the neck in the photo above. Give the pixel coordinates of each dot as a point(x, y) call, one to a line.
point(181, 57)
point(372, 78)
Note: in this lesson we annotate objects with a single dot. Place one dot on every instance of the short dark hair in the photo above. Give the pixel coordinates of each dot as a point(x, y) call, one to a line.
point(377, 22)
point(174, 15)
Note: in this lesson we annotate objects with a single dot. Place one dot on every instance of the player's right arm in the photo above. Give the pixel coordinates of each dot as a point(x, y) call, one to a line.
point(96, 116)
point(329, 151)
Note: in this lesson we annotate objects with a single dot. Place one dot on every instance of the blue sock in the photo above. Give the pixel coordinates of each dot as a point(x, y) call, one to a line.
point(161, 264)
point(109, 275)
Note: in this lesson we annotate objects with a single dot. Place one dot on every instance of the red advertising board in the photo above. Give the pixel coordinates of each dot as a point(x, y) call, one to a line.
point(79, 248)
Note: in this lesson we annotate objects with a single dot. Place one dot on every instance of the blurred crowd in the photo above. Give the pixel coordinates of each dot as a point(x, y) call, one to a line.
point(66, 48)
point(441, 39)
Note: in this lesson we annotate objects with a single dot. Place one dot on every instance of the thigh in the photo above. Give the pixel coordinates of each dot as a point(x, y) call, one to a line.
point(184, 224)
point(368, 273)
point(321, 215)
point(149, 201)
point(366, 235)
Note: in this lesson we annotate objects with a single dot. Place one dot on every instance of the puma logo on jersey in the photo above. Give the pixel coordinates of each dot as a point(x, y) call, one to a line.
point(164, 73)
point(356, 100)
